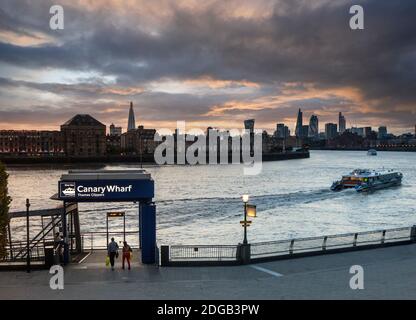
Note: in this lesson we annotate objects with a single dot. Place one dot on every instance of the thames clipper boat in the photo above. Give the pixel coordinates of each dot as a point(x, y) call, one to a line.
point(367, 180)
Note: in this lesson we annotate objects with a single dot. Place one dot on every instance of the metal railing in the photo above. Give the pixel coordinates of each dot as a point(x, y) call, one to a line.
point(37, 252)
point(16, 251)
point(98, 240)
point(203, 253)
point(275, 249)
point(331, 242)
point(35, 242)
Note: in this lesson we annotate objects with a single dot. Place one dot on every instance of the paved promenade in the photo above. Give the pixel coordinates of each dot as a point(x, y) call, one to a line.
point(390, 273)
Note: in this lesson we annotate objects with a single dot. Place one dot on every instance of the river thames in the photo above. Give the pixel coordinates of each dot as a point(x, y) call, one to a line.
point(202, 204)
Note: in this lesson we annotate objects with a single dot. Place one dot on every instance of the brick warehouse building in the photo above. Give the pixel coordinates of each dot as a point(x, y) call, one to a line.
point(31, 142)
point(139, 141)
point(84, 136)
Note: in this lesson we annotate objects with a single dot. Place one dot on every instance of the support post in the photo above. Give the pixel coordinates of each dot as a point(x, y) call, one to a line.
point(27, 237)
point(71, 232)
point(292, 244)
point(106, 230)
point(77, 229)
point(10, 240)
point(65, 235)
point(124, 227)
point(413, 233)
point(244, 253)
point(147, 216)
point(164, 256)
point(140, 227)
point(245, 224)
point(324, 243)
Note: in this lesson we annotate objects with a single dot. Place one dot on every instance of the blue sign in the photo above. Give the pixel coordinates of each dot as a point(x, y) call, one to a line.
point(106, 190)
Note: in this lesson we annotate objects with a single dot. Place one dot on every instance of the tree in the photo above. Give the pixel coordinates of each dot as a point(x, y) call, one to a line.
point(5, 201)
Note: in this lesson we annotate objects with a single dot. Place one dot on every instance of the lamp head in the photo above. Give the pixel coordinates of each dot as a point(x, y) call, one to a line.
point(245, 198)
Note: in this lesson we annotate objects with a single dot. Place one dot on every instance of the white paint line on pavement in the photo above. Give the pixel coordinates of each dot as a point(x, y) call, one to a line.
point(275, 274)
point(83, 259)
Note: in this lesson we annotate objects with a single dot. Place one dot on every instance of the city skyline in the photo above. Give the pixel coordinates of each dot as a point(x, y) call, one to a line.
point(303, 128)
point(168, 58)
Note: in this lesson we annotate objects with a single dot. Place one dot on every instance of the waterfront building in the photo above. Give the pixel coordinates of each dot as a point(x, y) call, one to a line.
point(358, 131)
point(84, 136)
point(132, 120)
point(313, 131)
point(331, 130)
point(341, 123)
point(113, 143)
point(31, 142)
point(282, 131)
point(322, 136)
point(347, 140)
point(367, 132)
point(139, 141)
point(299, 124)
point(115, 131)
point(305, 131)
point(382, 132)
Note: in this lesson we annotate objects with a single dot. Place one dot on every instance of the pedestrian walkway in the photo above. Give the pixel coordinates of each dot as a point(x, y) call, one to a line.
point(96, 260)
point(389, 273)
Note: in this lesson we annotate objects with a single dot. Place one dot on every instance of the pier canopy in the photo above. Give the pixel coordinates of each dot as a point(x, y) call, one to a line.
point(105, 185)
point(114, 186)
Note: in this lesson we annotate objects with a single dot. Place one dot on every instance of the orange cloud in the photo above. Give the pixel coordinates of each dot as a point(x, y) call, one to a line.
point(24, 39)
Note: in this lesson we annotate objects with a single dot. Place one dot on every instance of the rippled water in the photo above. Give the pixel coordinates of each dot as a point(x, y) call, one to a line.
point(202, 204)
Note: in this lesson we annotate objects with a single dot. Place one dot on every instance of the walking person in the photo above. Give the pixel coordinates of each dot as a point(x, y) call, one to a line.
point(58, 247)
point(112, 250)
point(126, 253)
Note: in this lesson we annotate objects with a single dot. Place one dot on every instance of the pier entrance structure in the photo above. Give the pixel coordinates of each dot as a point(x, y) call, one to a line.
point(113, 186)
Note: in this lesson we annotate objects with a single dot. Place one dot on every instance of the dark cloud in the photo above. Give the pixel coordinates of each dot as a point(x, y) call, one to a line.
point(298, 41)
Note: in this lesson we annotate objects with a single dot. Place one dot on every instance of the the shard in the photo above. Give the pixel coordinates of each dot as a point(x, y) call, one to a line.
point(132, 121)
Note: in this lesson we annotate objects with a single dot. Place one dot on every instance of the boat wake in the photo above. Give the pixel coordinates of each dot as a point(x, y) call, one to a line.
point(181, 211)
point(178, 211)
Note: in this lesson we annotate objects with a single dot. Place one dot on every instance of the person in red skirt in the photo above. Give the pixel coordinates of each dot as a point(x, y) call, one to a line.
point(126, 254)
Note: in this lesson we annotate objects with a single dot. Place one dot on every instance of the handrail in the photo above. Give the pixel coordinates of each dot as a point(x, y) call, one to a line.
point(288, 247)
point(54, 222)
point(355, 239)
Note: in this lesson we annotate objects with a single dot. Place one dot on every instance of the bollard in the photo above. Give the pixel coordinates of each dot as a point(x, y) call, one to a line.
point(244, 253)
point(164, 256)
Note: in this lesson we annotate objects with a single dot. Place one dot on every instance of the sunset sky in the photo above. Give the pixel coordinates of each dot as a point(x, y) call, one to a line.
point(210, 63)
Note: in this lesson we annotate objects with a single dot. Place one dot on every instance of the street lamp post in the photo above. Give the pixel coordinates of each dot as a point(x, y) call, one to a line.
point(245, 200)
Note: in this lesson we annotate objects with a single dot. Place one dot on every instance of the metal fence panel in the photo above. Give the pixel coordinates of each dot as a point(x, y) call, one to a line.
point(272, 248)
point(202, 253)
